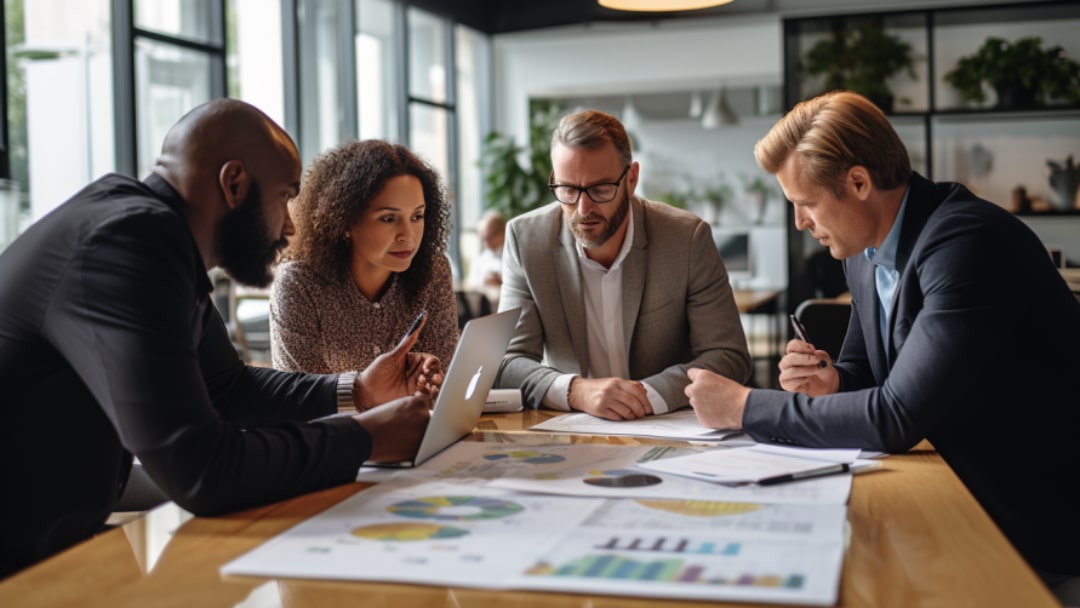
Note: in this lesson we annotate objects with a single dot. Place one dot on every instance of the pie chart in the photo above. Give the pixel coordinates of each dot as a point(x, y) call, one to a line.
point(408, 532)
point(456, 508)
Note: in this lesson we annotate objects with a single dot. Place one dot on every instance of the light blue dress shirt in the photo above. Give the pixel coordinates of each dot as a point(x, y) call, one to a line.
point(886, 275)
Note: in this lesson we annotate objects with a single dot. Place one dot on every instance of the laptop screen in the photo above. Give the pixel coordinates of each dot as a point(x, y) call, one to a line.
point(469, 377)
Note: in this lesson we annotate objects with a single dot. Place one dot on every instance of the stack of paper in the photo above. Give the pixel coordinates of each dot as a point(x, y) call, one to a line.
point(680, 424)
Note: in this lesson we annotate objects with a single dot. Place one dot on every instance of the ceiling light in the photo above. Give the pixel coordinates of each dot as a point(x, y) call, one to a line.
point(718, 111)
point(662, 6)
point(631, 119)
point(695, 105)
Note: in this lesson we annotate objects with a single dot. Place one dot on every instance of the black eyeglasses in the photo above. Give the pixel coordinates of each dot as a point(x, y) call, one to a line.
point(598, 193)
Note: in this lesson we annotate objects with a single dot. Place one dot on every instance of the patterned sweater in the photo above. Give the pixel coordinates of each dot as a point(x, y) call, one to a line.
point(322, 324)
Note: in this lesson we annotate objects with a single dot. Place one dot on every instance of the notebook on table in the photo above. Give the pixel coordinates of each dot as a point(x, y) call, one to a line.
point(468, 379)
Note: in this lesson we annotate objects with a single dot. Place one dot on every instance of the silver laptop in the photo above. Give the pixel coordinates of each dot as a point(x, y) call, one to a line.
point(469, 378)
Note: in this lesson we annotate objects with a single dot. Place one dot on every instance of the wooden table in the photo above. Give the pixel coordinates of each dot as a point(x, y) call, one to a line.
point(755, 300)
point(918, 538)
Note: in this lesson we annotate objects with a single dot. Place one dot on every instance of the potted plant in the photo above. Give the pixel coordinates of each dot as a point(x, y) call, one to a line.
point(716, 194)
point(757, 191)
point(675, 199)
point(513, 189)
point(1022, 73)
point(860, 60)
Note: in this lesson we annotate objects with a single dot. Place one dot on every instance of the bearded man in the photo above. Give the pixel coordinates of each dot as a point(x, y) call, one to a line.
point(619, 295)
point(110, 348)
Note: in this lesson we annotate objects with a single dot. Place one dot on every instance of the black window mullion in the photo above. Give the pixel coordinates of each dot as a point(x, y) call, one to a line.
point(180, 41)
point(401, 61)
point(5, 145)
point(348, 125)
point(290, 57)
point(123, 54)
point(219, 74)
point(452, 164)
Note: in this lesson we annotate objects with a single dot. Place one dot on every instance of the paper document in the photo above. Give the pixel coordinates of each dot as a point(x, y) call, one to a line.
point(453, 532)
point(603, 471)
point(762, 464)
point(680, 424)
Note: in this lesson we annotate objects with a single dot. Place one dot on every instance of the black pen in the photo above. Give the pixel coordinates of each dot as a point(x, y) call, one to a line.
point(415, 325)
point(832, 469)
point(800, 333)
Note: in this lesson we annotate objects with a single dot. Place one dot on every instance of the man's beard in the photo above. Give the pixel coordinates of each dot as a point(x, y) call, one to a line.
point(247, 251)
point(611, 225)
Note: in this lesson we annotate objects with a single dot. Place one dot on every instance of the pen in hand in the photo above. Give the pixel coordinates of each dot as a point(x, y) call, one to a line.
point(800, 333)
point(415, 326)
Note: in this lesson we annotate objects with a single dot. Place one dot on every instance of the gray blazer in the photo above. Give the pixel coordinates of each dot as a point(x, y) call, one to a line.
point(678, 307)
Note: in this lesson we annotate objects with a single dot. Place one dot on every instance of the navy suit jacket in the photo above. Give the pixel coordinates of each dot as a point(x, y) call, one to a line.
point(983, 355)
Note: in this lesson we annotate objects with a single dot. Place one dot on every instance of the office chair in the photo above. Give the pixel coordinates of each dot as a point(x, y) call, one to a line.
point(471, 304)
point(826, 322)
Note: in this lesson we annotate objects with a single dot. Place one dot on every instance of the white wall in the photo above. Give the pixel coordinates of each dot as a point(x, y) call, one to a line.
point(578, 61)
point(680, 151)
point(605, 60)
point(582, 60)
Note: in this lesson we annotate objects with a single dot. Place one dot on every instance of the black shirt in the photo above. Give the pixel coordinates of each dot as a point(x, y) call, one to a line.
point(110, 346)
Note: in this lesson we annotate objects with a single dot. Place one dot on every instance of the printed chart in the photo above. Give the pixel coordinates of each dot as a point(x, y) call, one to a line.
point(456, 508)
point(457, 532)
point(603, 471)
point(692, 566)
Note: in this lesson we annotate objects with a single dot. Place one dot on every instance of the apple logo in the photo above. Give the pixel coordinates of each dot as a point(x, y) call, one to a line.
point(472, 383)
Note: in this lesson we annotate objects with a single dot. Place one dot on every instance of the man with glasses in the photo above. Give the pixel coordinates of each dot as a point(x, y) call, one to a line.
point(619, 295)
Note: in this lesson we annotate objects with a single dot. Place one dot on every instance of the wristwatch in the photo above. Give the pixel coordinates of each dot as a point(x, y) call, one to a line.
point(345, 385)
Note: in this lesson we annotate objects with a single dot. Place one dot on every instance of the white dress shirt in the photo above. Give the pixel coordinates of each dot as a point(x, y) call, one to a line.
point(608, 356)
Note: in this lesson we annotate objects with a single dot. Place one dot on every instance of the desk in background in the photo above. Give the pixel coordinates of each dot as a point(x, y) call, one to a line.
point(917, 538)
point(765, 303)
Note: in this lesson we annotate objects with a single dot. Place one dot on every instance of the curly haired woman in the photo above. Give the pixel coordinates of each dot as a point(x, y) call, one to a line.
point(372, 223)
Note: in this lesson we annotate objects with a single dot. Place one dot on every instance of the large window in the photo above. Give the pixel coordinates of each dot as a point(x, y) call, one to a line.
point(322, 65)
point(472, 57)
point(376, 77)
point(92, 86)
point(431, 104)
point(170, 81)
point(59, 105)
point(254, 55)
point(174, 51)
point(190, 19)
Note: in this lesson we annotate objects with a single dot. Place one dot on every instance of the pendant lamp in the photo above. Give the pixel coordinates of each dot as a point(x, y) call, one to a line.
point(660, 6)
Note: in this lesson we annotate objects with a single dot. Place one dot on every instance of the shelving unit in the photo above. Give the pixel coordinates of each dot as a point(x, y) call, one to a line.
point(991, 150)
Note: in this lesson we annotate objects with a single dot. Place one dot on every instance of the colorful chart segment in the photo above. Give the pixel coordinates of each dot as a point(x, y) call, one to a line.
point(528, 456)
point(700, 508)
point(621, 478)
point(615, 567)
point(456, 508)
point(398, 532)
point(670, 545)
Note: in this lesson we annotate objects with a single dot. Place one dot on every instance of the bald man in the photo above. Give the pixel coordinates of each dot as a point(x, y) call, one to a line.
point(110, 347)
